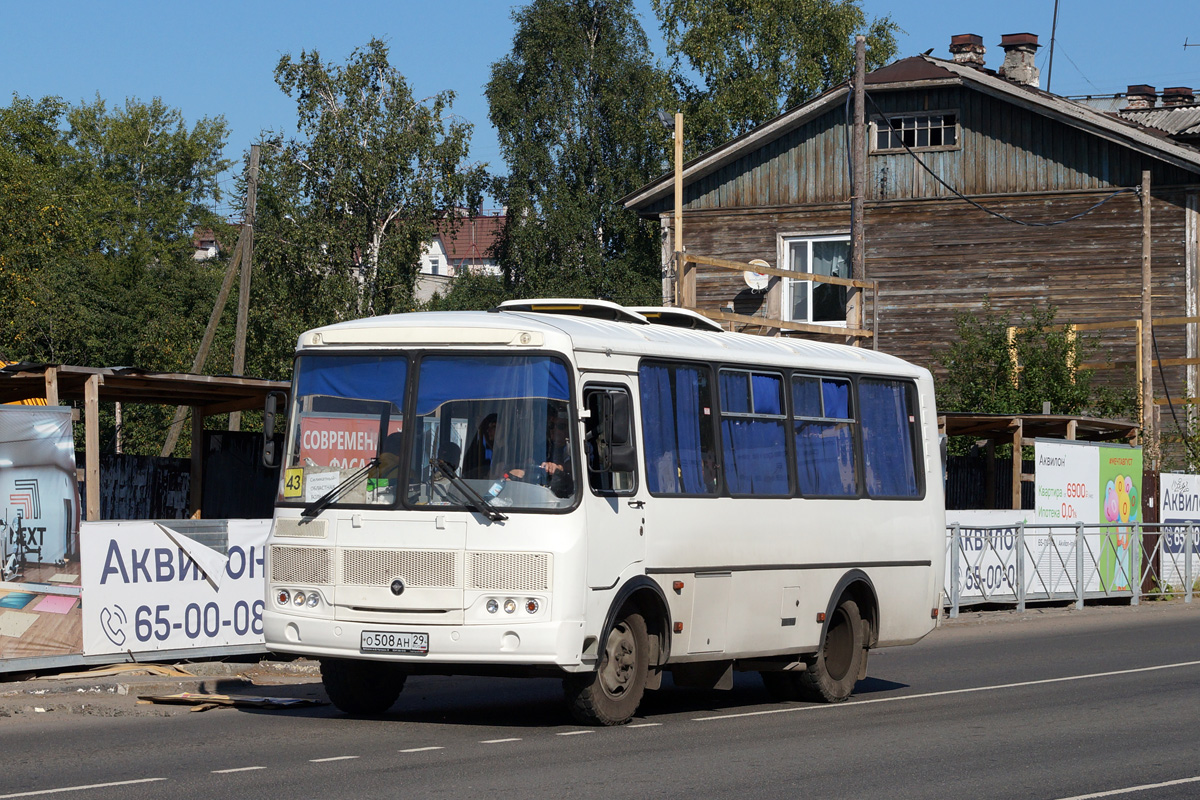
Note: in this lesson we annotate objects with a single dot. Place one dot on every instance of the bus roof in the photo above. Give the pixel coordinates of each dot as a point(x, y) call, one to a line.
point(561, 330)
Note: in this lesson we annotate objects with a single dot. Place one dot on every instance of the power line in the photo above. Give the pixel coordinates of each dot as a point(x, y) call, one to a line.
point(1005, 217)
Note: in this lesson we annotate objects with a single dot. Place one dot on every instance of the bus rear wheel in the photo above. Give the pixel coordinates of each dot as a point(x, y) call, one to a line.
point(831, 673)
point(611, 694)
point(363, 688)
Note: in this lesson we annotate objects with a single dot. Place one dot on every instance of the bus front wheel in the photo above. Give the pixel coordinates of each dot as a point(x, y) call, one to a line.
point(611, 694)
point(361, 687)
point(831, 673)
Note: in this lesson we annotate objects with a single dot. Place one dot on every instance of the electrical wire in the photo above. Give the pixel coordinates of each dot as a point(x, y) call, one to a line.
point(986, 210)
point(1170, 403)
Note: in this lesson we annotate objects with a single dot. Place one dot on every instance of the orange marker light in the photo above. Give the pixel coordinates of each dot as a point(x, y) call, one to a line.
point(679, 627)
point(677, 586)
point(820, 616)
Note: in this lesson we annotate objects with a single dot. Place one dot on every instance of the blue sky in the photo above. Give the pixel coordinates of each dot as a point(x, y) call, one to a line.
point(218, 58)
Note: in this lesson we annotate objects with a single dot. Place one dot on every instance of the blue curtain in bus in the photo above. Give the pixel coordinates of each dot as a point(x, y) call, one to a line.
point(825, 458)
point(687, 430)
point(837, 399)
point(754, 448)
point(354, 376)
point(446, 378)
point(671, 419)
point(888, 453)
point(755, 456)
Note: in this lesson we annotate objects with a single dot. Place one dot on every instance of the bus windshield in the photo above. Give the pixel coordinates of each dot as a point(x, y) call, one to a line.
point(347, 415)
point(490, 432)
point(498, 424)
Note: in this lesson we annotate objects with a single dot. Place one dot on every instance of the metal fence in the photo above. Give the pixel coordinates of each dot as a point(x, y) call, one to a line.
point(1024, 562)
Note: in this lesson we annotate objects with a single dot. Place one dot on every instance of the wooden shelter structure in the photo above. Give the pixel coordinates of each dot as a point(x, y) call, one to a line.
point(207, 395)
point(1020, 430)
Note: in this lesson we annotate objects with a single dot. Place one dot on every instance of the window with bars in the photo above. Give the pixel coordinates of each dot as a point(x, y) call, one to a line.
point(918, 132)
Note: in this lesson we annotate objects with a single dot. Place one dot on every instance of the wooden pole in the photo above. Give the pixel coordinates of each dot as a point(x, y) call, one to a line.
point(854, 297)
point(239, 342)
point(1149, 428)
point(91, 447)
point(205, 343)
point(685, 295)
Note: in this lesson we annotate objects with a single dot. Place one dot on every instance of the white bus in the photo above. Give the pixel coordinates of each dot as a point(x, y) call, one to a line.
point(575, 489)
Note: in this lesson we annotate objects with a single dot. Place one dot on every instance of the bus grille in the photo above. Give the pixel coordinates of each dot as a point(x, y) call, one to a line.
point(517, 572)
point(309, 565)
point(424, 568)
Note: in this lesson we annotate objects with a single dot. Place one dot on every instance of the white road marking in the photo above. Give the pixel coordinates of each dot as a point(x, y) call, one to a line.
point(645, 725)
point(996, 687)
point(498, 741)
point(574, 733)
point(333, 758)
point(235, 769)
point(80, 788)
point(1131, 789)
point(419, 749)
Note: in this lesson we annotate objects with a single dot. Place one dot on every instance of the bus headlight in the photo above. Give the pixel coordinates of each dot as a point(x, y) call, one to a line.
point(314, 600)
point(283, 597)
point(531, 605)
point(510, 606)
point(492, 606)
point(299, 599)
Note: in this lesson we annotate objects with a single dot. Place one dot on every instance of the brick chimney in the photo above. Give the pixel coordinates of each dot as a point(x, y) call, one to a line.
point(1139, 97)
point(1019, 52)
point(1177, 96)
point(968, 49)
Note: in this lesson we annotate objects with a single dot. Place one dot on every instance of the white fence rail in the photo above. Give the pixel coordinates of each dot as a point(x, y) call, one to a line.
point(1022, 562)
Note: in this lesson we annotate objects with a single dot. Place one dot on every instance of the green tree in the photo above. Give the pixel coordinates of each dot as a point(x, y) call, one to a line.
point(373, 171)
point(739, 63)
point(990, 371)
point(573, 103)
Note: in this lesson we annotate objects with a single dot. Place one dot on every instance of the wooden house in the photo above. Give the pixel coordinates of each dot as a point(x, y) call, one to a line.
point(981, 187)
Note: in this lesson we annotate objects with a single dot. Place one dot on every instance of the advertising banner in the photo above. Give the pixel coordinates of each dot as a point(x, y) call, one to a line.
point(151, 587)
point(987, 560)
point(1093, 484)
point(1179, 497)
point(39, 501)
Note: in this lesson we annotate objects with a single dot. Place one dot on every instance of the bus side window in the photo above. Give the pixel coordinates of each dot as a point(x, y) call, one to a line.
point(609, 446)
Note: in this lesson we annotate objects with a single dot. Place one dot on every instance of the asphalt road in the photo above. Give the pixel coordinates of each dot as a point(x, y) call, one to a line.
point(1057, 704)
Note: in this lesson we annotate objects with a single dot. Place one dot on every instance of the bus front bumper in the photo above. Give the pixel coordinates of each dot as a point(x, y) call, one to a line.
point(557, 643)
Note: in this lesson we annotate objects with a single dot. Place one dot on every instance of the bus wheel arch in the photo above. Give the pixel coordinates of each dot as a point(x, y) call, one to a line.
point(632, 645)
point(850, 628)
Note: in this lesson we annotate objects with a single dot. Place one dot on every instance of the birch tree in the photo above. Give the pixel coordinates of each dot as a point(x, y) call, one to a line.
point(377, 167)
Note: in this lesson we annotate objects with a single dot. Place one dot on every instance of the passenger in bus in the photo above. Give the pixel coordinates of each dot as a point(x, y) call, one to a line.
point(478, 463)
point(388, 466)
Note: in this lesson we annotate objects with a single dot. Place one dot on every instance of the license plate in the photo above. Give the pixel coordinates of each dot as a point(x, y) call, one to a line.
point(387, 642)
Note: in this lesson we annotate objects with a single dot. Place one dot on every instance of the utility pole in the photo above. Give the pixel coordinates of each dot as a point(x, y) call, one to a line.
point(1149, 423)
point(239, 252)
point(858, 184)
point(239, 342)
point(685, 294)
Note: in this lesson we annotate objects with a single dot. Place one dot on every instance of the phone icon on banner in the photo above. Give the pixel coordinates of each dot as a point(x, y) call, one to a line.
point(113, 622)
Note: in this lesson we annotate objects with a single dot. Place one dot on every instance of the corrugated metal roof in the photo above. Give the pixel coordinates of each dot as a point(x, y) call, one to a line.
point(1179, 120)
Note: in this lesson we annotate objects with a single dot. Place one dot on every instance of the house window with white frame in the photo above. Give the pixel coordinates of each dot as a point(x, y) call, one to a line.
point(809, 301)
point(926, 131)
point(435, 265)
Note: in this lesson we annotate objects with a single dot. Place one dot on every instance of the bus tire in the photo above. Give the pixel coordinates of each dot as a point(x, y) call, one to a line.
point(832, 672)
point(611, 694)
point(365, 688)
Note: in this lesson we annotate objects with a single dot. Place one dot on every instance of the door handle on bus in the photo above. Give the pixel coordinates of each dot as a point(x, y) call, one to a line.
point(637, 503)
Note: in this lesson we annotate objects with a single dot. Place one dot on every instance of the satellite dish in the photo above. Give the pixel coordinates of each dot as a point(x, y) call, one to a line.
point(757, 280)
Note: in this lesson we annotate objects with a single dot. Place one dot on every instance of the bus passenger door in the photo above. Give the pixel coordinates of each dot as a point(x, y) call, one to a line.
point(614, 497)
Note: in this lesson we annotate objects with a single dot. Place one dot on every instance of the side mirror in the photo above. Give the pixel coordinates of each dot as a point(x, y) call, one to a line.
point(270, 407)
point(611, 441)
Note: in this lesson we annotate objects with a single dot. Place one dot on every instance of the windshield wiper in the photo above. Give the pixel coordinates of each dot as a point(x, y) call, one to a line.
point(481, 504)
point(323, 502)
